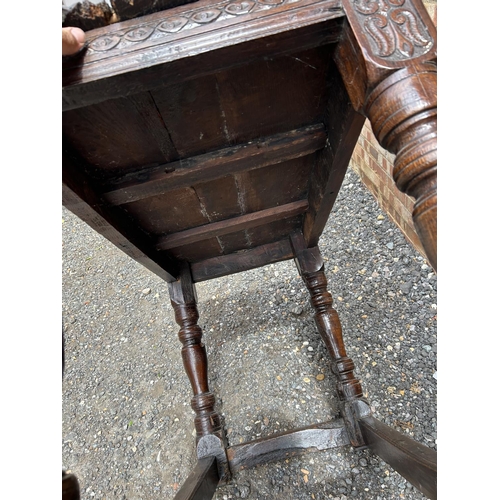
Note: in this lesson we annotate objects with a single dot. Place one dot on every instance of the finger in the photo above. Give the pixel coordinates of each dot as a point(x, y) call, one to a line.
point(73, 40)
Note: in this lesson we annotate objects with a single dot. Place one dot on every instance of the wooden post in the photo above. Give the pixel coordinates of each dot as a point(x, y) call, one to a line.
point(194, 356)
point(310, 265)
point(387, 59)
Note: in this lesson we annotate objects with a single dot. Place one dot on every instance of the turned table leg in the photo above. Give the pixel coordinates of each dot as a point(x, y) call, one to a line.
point(388, 61)
point(183, 299)
point(311, 268)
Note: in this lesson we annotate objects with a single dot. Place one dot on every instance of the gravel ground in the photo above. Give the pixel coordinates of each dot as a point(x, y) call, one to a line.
point(127, 422)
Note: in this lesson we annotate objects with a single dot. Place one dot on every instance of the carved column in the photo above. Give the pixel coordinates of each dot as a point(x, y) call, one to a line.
point(194, 356)
point(328, 323)
point(310, 265)
point(388, 63)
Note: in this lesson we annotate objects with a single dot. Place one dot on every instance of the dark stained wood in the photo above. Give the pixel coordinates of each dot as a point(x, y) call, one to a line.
point(194, 356)
point(220, 198)
point(241, 261)
point(169, 213)
point(113, 137)
point(228, 226)
point(223, 162)
point(211, 445)
point(277, 184)
point(274, 231)
point(194, 106)
point(344, 127)
point(202, 482)
point(414, 461)
point(391, 78)
point(218, 110)
point(403, 113)
point(148, 109)
point(252, 191)
point(348, 388)
point(282, 106)
point(70, 487)
point(307, 259)
point(78, 195)
point(194, 253)
point(213, 138)
point(110, 68)
point(284, 445)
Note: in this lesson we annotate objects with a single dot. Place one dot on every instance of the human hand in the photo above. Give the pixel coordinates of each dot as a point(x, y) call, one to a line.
point(73, 39)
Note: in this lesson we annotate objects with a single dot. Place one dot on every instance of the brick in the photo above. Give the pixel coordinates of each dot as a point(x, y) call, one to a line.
point(375, 165)
point(390, 195)
point(374, 152)
point(399, 207)
point(370, 174)
point(397, 218)
point(409, 203)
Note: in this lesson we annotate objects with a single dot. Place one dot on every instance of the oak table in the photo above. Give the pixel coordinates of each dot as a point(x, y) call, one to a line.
point(209, 138)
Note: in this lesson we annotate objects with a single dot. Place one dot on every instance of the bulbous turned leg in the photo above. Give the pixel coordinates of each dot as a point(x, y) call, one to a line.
point(183, 299)
point(348, 388)
point(403, 112)
point(388, 62)
point(328, 324)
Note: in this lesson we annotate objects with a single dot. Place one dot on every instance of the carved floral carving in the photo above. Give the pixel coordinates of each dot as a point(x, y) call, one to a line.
point(139, 34)
point(394, 28)
point(105, 42)
point(186, 20)
point(238, 8)
point(173, 24)
point(206, 16)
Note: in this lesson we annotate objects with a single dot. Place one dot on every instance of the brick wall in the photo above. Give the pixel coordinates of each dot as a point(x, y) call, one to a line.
point(374, 166)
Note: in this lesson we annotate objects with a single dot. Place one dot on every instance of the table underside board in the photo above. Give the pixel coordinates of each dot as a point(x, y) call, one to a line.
point(218, 167)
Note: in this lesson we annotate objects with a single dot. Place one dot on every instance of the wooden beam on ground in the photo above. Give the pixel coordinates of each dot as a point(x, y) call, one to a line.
point(414, 461)
point(202, 482)
point(288, 444)
point(256, 154)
